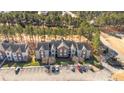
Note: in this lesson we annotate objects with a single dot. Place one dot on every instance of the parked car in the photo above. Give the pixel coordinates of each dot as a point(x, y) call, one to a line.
point(17, 70)
point(55, 70)
point(79, 68)
point(85, 69)
point(82, 69)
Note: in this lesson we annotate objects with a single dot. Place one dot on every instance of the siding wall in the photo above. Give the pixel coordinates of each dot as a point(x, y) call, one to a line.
point(37, 54)
point(9, 55)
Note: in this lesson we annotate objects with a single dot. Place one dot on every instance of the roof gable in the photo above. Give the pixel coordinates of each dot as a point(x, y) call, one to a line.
point(19, 50)
point(73, 47)
point(53, 46)
point(23, 47)
point(41, 48)
point(1, 47)
point(45, 45)
point(83, 48)
point(5, 45)
point(63, 44)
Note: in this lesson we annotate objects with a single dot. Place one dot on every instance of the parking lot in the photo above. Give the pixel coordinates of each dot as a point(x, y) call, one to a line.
point(41, 74)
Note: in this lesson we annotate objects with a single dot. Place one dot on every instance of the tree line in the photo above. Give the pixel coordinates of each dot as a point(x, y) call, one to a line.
point(33, 25)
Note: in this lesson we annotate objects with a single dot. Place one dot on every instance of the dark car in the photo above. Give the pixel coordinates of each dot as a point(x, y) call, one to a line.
point(17, 70)
point(55, 70)
point(83, 69)
point(80, 70)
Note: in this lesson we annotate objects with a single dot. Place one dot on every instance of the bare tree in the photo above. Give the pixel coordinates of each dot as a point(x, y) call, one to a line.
point(75, 59)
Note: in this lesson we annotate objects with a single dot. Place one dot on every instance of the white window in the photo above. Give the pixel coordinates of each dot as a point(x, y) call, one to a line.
point(60, 52)
point(65, 52)
point(42, 54)
point(19, 55)
point(84, 52)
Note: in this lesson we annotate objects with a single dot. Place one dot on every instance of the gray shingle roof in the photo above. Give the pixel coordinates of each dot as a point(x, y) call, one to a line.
point(80, 46)
point(45, 45)
point(67, 42)
point(5, 45)
point(63, 44)
point(14, 47)
point(23, 47)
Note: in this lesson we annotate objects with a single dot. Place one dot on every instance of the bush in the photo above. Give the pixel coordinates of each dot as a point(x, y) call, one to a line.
point(97, 64)
point(64, 63)
point(34, 64)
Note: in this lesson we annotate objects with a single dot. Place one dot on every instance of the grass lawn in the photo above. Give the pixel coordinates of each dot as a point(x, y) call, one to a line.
point(21, 64)
point(64, 62)
point(27, 64)
point(93, 62)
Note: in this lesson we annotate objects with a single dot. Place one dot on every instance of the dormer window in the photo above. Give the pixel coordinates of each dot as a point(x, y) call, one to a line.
point(52, 51)
point(84, 52)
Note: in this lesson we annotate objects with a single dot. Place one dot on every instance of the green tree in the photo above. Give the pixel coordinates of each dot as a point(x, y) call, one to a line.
point(96, 41)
